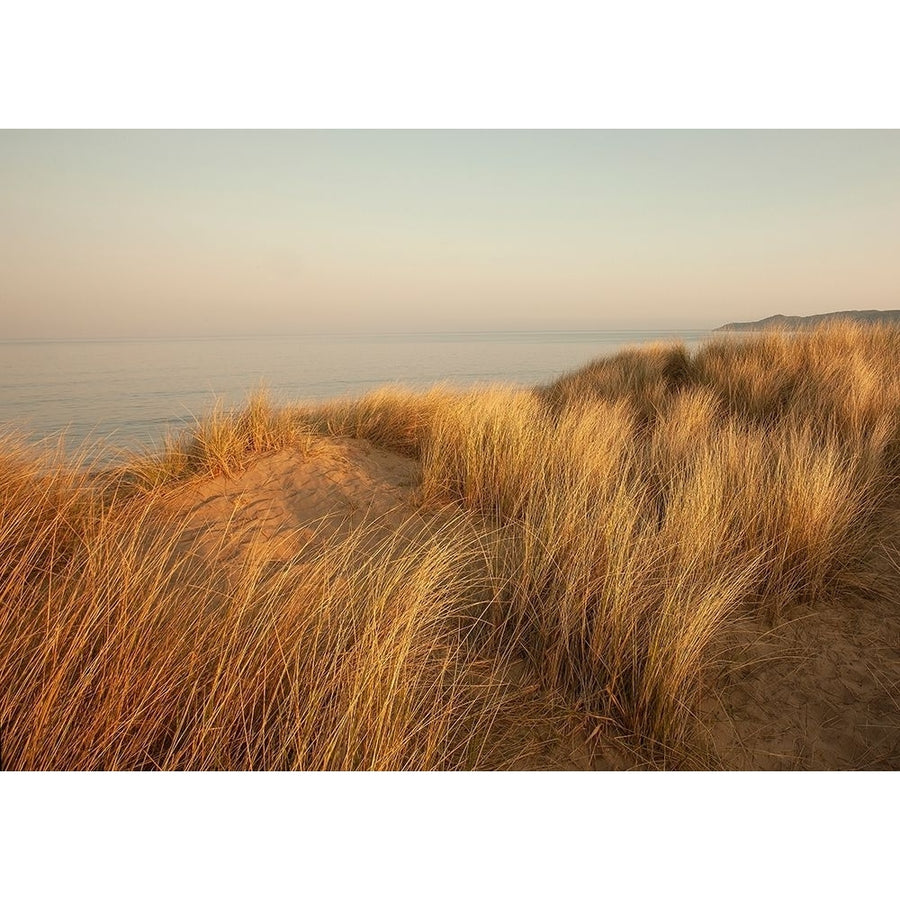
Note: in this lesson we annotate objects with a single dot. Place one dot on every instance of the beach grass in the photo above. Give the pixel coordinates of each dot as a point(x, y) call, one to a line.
point(598, 539)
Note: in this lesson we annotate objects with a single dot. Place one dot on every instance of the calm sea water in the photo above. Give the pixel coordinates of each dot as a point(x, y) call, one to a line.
point(127, 394)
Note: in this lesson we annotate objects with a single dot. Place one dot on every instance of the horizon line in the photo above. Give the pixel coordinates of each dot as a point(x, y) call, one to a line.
point(308, 334)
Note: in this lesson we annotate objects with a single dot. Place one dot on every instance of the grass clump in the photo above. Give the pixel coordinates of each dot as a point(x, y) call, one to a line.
point(221, 443)
point(394, 418)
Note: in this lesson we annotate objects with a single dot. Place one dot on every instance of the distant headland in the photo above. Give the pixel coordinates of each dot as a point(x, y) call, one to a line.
point(867, 316)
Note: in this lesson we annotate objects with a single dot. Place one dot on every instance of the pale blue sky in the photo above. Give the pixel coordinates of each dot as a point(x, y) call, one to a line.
point(156, 234)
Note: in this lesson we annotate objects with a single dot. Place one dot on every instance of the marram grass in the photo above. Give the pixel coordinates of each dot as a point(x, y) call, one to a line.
point(604, 533)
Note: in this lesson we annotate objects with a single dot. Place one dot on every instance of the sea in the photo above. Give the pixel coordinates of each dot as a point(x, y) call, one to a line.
point(125, 395)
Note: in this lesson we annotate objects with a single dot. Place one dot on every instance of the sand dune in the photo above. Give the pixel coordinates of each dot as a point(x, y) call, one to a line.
point(287, 504)
point(663, 560)
point(291, 499)
point(820, 690)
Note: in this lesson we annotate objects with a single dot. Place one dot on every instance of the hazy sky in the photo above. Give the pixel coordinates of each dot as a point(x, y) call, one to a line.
point(154, 234)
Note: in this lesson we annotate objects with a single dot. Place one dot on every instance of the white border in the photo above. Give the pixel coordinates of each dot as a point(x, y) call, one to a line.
point(696, 63)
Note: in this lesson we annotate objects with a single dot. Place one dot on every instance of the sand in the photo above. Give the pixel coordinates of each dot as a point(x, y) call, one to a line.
point(293, 501)
point(820, 690)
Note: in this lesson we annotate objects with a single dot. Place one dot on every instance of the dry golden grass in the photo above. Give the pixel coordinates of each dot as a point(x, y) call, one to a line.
point(129, 653)
point(625, 516)
point(220, 444)
point(394, 418)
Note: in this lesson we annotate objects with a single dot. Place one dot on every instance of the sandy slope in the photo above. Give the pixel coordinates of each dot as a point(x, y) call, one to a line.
point(820, 691)
point(292, 500)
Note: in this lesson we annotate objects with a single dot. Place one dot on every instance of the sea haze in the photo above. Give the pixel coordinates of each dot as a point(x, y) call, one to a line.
point(129, 393)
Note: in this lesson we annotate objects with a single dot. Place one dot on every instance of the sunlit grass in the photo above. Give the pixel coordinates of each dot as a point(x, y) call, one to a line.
point(599, 535)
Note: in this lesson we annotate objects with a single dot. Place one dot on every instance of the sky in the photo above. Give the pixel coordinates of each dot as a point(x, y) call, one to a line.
point(109, 234)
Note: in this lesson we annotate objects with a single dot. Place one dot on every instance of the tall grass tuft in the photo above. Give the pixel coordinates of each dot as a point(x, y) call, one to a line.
point(222, 443)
